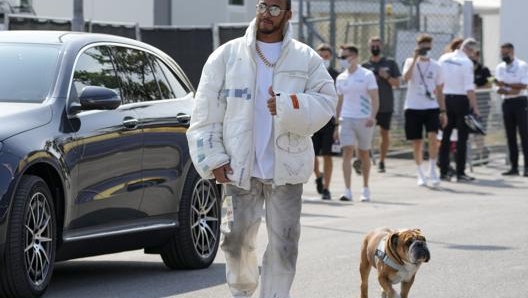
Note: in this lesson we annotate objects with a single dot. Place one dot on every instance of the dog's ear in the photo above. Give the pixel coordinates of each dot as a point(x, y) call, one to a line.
point(420, 236)
point(394, 240)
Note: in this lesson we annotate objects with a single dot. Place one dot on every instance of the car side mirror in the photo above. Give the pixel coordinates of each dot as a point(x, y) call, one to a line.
point(99, 98)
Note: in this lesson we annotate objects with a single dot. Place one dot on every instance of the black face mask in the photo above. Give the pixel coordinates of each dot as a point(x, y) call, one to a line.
point(423, 51)
point(375, 51)
point(507, 59)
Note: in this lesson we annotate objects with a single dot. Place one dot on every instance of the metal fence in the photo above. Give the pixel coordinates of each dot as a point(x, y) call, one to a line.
point(397, 22)
point(340, 21)
point(480, 147)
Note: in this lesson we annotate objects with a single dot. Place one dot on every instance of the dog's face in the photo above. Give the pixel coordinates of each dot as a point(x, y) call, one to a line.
point(410, 245)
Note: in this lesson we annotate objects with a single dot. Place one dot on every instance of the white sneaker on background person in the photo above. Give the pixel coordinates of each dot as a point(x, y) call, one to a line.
point(422, 180)
point(365, 194)
point(435, 181)
point(347, 196)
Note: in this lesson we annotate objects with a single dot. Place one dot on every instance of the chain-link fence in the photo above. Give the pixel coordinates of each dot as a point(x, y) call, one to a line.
point(397, 22)
point(480, 147)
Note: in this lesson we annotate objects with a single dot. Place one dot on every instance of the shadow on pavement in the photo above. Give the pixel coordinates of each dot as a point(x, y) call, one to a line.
point(110, 279)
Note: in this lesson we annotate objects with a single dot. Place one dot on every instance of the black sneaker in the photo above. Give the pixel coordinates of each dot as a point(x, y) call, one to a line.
point(326, 195)
point(357, 166)
point(381, 167)
point(445, 177)
point(464, 177)
point(319, 184)
point(345, 199)
point(451, 171)
point(511, 172)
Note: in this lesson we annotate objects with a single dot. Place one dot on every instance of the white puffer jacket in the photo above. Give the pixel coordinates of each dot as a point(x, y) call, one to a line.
point(222, 120)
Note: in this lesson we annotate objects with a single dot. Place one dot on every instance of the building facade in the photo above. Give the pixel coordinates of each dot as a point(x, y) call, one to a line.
point(153, 12)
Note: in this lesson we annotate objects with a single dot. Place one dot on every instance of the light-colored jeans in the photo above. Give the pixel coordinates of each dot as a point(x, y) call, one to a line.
point(283, 213)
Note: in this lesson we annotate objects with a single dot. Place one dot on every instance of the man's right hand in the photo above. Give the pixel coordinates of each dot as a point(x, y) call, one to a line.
point(221, 173)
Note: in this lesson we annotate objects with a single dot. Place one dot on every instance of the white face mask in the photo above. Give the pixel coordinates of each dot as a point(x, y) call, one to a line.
point(344, 63)
point(326, 63)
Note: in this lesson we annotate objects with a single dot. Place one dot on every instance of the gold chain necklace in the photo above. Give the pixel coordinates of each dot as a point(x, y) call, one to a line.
point(263, 58)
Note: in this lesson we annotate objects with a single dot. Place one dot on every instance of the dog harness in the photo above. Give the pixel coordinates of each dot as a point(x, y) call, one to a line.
point(380, 254)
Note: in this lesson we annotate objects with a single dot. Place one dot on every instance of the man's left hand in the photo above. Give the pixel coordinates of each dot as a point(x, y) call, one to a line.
point(272, 102)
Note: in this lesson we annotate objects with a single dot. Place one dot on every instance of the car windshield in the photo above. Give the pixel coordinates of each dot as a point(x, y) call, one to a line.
point(26, 71)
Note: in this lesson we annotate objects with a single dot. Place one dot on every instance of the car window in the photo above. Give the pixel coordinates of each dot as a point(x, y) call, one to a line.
point(136, 75)
point(95, 68)
point(27, 71)
point(167, 79)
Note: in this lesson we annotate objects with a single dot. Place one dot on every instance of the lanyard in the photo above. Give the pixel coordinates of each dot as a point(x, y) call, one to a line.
point(427, 92)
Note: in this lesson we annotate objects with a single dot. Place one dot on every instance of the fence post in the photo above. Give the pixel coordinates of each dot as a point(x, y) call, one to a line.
point(468, 19)
point(333, 29)
point(301, 21)
point(382, 21)
point(78, 16)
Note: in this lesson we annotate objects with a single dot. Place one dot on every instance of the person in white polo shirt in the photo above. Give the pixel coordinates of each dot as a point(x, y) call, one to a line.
point(357, 106)
point(424, 105)
point(460, 98)
point(512, 79)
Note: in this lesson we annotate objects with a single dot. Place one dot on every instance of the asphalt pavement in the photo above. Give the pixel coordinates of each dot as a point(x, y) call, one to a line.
point(476, 233)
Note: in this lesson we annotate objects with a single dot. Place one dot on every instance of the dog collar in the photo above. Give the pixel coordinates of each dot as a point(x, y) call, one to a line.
point(380, 254)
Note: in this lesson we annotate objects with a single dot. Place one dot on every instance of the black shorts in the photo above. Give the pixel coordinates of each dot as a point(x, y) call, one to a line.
point(383, 119)
point(324, 138)
point(415, 120)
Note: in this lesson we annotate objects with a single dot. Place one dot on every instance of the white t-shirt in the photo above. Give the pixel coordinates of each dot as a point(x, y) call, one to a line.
point(263, 124)
point(416, 97)
point(354, 87)
point(459, 78)
point(515, 73)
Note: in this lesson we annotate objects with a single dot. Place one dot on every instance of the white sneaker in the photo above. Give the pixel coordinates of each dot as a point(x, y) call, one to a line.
point(365, 194)
point(347, 196)
point(435, 181)
point(421, 179)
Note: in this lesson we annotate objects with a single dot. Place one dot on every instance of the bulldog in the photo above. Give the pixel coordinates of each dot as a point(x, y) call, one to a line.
point(397, 256)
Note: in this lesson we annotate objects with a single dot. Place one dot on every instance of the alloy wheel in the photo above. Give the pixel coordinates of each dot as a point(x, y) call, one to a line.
point(38, 243)
point(204, 218)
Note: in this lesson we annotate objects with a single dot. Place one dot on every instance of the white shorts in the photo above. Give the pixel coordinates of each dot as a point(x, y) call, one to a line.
point(354, 132)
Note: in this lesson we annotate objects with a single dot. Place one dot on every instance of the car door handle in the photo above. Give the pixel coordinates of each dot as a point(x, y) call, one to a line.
point(130, 122)
point(183, 118)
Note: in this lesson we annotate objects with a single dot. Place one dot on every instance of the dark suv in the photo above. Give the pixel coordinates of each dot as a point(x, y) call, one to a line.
point(94, 158)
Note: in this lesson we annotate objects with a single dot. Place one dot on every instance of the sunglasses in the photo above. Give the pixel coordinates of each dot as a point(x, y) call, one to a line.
point(273, 10)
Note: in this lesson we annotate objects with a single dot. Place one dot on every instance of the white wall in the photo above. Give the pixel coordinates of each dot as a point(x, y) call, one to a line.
point(491, 40)
point(513, 26)
point(207, 12)
point(184, 13)
point(130, 11)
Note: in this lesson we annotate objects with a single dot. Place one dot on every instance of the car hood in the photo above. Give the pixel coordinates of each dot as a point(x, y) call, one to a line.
point(18, 117)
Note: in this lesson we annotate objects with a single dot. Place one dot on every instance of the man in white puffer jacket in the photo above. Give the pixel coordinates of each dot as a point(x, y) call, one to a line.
point(259, 100)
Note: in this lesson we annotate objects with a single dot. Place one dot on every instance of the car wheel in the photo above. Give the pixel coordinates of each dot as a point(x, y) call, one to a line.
point(29, 256)
point(196, 241)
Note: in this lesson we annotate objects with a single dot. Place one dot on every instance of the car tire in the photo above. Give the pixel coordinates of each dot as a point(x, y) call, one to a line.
point(196, 241)
point(28, 261)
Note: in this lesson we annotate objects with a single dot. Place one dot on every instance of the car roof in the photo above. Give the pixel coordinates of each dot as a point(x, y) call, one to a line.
point(65, 37)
